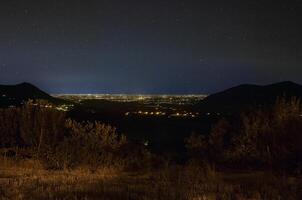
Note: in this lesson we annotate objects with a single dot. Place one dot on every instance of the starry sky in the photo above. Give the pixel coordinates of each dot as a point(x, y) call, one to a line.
point(149, 46)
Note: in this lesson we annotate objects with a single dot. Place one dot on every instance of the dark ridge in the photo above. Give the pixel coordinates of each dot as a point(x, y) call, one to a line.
point(15, 95)
point(243, 97)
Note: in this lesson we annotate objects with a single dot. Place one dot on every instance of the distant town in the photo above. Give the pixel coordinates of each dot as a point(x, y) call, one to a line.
point(146, 99)
point(171, 106)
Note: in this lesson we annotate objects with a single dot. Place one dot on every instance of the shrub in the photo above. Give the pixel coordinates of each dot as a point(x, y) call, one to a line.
point(273, 138)
point(9, 133)
point(33, 125)
point(86, 143)
point(197, 146)
point(262, 138)
point(60, 142)
point(41, 125)
point(219, 140)
point(210, 147)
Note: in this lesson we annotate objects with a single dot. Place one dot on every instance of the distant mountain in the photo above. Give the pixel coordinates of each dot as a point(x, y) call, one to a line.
point(247, 96)
point(16, 94)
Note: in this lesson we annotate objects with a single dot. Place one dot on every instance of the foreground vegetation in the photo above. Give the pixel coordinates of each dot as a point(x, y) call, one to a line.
point(27, 179)
point(267, 138)
point(46, 155)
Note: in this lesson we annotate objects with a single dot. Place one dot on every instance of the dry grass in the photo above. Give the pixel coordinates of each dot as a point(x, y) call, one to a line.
point(28, 180)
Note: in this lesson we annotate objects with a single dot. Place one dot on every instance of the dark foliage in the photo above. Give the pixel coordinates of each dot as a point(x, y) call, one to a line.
point(64, 143)
point(267, 138)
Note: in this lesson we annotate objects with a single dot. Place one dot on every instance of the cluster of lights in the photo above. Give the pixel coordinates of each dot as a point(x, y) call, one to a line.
point(145, 99)
point(185, 114)
point(64, 107)
point(147, 113)
point(7, 97)
point(161, 113)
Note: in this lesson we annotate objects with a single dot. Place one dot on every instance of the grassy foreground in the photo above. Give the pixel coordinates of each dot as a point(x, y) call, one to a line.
point(27, 179)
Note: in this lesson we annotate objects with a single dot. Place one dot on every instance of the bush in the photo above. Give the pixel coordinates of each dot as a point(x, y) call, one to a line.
point(262, 138)
point(210, 148)
point(87, 144)
point(197, 146)
point(9, 131)
point(272, 138)
point(60, 142)
point(41, 125)
point(33, 125)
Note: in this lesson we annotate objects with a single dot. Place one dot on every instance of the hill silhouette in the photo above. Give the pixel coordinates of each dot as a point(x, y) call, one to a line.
point(247, 96)
point(17, 94)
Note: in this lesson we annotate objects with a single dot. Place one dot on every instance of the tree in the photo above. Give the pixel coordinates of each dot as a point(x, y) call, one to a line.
point(273, 137)
point(86, 143)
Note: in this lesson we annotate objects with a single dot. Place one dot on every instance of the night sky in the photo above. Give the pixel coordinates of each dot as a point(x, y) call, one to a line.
point(149, 46)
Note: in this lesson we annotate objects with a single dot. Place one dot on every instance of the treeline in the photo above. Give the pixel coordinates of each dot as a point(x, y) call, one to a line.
point(37, 130)
point(263, 138)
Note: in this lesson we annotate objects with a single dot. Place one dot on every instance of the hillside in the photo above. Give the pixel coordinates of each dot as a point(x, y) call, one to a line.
point(17, 94)
point(247, 96)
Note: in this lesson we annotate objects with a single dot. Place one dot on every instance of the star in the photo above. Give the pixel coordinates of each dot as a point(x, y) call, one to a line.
point(230, 37)
point(201, 60)
point(26, 11)
point(153, 21)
